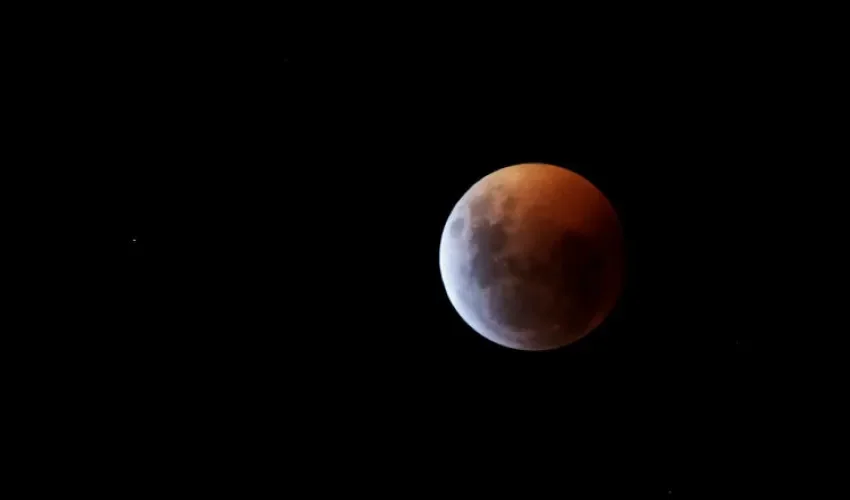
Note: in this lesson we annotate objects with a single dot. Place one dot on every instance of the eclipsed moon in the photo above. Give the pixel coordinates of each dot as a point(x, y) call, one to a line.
point(532, 257)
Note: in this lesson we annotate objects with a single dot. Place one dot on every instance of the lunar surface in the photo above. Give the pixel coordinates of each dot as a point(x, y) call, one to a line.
point(532, 257)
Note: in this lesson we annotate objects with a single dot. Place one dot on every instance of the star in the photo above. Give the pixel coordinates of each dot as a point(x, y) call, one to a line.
point(133, 240)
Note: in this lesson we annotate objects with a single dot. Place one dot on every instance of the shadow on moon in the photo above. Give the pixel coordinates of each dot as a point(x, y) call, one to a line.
point(556, 290)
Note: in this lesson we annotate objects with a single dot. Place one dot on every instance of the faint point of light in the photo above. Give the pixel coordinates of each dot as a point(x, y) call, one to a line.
point(133, 240)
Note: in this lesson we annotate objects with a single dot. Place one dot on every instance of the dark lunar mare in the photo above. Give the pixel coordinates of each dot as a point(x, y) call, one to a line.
point(456, 228)
point(558, 285)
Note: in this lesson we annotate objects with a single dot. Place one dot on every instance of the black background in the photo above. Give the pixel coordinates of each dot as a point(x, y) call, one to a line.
point(286, 192)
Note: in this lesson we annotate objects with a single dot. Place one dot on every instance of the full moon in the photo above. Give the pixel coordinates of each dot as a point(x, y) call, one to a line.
point(532, 257)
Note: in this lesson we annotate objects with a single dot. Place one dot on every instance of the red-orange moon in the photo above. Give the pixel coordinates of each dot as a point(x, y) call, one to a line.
point(532, 257)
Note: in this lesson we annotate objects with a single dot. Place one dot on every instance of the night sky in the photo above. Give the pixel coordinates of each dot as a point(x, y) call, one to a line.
point(282, 202)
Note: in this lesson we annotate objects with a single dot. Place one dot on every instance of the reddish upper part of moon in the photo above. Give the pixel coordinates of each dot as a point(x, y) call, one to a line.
point(532, 257)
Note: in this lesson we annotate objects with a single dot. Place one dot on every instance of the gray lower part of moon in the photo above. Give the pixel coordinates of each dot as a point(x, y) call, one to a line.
point(519, 279)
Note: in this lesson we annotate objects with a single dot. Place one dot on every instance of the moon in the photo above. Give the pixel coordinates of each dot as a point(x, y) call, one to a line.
point(532, 257)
